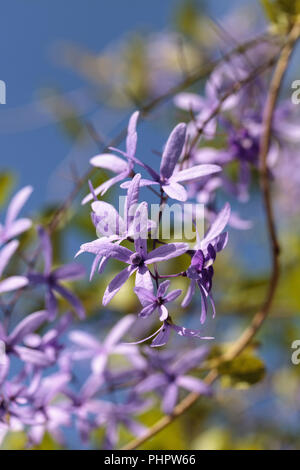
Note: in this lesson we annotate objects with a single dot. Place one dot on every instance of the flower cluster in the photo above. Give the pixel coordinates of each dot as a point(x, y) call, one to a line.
point(144, 258)
point(54, 373)
point(41, 355)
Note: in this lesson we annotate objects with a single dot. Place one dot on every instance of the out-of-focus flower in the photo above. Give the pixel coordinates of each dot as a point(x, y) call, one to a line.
point(51, 279)
point(99, 352)
point(13, 282)
point(13, 343)
point(173, 376)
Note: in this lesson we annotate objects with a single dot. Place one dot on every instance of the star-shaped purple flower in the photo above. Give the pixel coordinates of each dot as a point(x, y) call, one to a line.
point(152, 302)
point(173, 376)
point(51, 279)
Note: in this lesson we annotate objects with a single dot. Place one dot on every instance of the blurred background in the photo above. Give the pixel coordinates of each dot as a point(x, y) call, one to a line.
point(74, 71)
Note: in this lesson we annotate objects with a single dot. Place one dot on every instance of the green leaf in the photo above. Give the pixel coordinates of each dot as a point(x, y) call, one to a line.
point(281, 12)
point(6, 184)
point(245, 370)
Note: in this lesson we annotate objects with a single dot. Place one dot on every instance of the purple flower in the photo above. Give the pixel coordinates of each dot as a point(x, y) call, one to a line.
point(137, 261)
point(153, 302)
point(49, 344)
point(173, 376)
point(201, 271)
point(13, 343)
point(51, 279)
point(47, 416)
point(99, 352)
point(113, 415)
point(203, 107)
point(162, 335)
point(13, 226)
point(13, 282)
point(122, 168)
point(115, 228)
point(170, 176)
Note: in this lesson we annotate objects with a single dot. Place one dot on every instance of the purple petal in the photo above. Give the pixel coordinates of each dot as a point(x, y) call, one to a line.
point(170, 398)
point(38, 358)
point(51, 304)
point(131, 139)
point(4, 370)
point(163, 312)
point(111, 162)
point(175, 191)
point(116, 284)
point(132, 199)
point(69, 271)
point(46, 247)
point(194, 385)
point(26, 326)
point(6, 253)
point(17, 227)
point(163, 287)
point(173, 295)
point(166, 252)
point(173, 150)
point(189, 101)
point(190, 360)
point(108, 220)
point(17, 203)
point(140, 229)
point(84, 340)
point(212, 155)
point(195, 173)
point(137, 429)
point(163, 336)
point(144, 285)
point(152, 382)
point(217, 226)
point(143, 182)
point(109, 250)
point(12, 283)
point(203, 303)
point(98, 363)
point(148, 310)
point(104, 187)
point(145, 296)
point(189, 295)
point(119, 330)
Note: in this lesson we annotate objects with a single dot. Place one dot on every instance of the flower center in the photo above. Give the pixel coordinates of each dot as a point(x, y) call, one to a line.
point(136, 259)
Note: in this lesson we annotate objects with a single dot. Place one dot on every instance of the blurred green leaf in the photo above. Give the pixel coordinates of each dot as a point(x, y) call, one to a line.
point(6, 183)
point(247, 369)
point(281, 12)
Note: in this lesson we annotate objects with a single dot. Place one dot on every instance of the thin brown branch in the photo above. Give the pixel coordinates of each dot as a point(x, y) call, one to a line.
point(244, 340)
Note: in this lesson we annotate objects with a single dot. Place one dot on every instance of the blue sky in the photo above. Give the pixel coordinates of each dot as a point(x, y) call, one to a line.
point(29, 32)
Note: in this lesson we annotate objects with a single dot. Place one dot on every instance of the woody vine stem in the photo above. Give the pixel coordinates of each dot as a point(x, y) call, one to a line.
point(245, 339)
